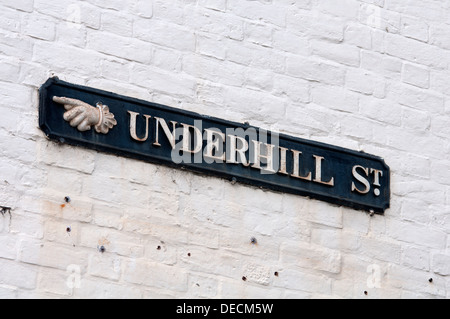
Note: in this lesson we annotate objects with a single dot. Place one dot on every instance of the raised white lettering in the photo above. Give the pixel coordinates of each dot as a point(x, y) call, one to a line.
point(360, 179)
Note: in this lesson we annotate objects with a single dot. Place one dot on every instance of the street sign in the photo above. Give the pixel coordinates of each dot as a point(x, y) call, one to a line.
point(239, 152)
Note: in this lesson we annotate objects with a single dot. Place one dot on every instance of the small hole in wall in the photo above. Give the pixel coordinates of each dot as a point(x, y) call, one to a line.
point(158, 248)
point(68, 229)
point(244, 278)
point(189, 254)
point(276, 274)
point(366, 293)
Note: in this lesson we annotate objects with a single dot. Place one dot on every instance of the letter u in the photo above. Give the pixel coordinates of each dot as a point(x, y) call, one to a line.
point(133, 116)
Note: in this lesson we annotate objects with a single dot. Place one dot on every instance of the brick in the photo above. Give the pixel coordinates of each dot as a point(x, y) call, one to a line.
point(427, 9)
point(21, 5)
point(358, 35)
point(16, 45)
point(17, 274)
point(203, 287)
point(25, 223)
point(336, 240)
point(421, 145)
point(313, 257)
point(216, 23)
point(381, 110)
point(179, 38)
point(204, 237)
point(117, 23)
point(113, 190)
point(68, 10)
point(106, 290)
point(315, 70)
point(17, 96)
point(264, 224)
point(421, 166)
point(10, 20)
point(71, 33)
point(208, 69)
point(230, 288)
point(212, 46)
point(258, 274)
point(415, 119)
point(417, 98)
point(379, 249)
point(219, 5)
point(167, 59)
point(116, 70)
point(297, 90)
point(316, 26)
point(415, 28)
point(123, 48)
point(168, 10)
point(257, 33)
point(40, 27)
point(352, 222)
point(414, 280)
point(61, 232)
point(415, 51)
point(110, 4)
point(365, 82)
point(114, 241)
point(414, 233)
point(54, 282)
point(105, 215)
point(416, 75)
point(381, 64)
point(297, 280)
point(142, 8)
point(105, 266)
point(62, 58)
point(335, 98)
point(8, 292)
point(19, 149)
point(324, 214)
point(416, 258)
point(32, 74)
point(254, 10)
point(252, 55)
point(9, 247)
point(439, 127)
point(197, 259)
point(264, 80)
point(66, 157)
point(51, 254)
point(163, 252)
point(439, 172)
point(287, 41)
point(165, 82)
point(376, 17)
point(340, 53)
point(154, 275)
point(331, 29)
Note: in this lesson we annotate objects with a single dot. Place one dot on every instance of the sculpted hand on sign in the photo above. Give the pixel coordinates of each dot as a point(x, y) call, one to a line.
point(83, 116)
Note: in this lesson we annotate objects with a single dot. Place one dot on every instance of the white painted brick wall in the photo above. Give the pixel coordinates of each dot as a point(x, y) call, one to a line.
point(371, 75)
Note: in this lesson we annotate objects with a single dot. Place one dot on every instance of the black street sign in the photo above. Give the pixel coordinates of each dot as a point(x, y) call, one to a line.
point(159, 134)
